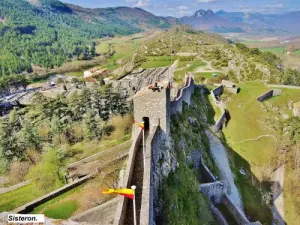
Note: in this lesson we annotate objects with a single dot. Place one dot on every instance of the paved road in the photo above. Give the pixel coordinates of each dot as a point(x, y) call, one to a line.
point(221, 157)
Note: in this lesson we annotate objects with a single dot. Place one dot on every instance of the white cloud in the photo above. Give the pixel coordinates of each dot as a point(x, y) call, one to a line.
point(205, 1)
point(182, 8)
point(275, 6)
point(171, 9)
point(185, 13)
point(141, 3)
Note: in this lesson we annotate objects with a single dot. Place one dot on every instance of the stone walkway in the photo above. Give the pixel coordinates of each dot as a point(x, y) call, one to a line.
point(220, 155)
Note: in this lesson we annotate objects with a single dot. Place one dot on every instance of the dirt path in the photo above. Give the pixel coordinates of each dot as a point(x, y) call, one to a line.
point(255, 139)
point(278, 207)
point(220, 155)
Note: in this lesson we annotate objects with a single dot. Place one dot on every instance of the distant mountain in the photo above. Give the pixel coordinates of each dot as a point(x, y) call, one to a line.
point(47, 33)
point(223, 21)
point(208, 20)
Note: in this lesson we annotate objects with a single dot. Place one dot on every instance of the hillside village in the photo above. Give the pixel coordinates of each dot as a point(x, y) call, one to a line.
point(221, 133)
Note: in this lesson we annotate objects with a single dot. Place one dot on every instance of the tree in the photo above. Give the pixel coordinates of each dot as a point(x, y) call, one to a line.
point(292, 77)
point(56, 126)
point(9, 148)
point(46, 173)
point(29, 136)
point(91, 125)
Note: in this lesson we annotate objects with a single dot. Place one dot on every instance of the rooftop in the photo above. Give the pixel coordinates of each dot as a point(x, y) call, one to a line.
point(151, 88)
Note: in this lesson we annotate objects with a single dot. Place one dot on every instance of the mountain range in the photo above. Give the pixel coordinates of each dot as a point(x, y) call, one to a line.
point(47, 33)
point(240, 22)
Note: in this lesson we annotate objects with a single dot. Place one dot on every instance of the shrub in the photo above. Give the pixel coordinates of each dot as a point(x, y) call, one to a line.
point(46, 173)
point(17, 171)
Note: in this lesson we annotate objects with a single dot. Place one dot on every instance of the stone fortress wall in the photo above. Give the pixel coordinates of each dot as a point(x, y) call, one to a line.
point(269, 94)
point(130, 84)
point(122, 202)
point(158, 107)
point(216, 93)
point(183, 95)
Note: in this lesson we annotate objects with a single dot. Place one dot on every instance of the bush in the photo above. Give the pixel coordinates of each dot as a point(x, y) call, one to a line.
point(18, 171)
point(46, 173)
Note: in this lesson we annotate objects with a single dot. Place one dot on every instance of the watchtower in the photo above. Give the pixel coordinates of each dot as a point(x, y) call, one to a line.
point(152, 106)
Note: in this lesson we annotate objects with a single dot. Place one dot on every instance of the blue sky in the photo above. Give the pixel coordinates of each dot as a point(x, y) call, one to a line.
point(180, 8)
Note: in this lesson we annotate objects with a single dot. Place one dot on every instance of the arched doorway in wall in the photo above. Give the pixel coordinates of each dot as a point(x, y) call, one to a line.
point(146, 123)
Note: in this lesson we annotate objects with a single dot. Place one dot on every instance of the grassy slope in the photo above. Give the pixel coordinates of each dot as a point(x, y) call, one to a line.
point(83, 197)
point(273, 50)
point(297, 52)
point(187, 66)
point(248, 121)
point(281, 102)
point(86, 149)
point(11, 200)
point(102, 48)
point(18, 197)
point(157, 61)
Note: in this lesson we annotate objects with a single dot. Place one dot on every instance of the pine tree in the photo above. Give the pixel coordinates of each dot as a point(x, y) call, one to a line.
point(91, 125)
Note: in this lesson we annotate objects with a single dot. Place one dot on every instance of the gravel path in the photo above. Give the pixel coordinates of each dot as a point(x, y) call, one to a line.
point(256, 139)
point(278, 207)
point(220, 155)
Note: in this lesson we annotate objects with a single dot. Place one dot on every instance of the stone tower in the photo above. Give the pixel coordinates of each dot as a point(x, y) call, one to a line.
point(153, 107)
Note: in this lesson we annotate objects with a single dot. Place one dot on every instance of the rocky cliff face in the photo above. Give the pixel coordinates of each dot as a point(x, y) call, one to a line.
point(179, 197)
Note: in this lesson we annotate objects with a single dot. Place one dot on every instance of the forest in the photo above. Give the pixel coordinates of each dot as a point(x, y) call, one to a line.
point(49, 33)
point(52, 122)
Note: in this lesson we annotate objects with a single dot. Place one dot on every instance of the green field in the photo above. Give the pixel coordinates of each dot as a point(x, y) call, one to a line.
point(81, 198)
point(273, 50)
point(187, 66)
point(247, 148)
point(75, 74)
point(61, 207)
point(297, 52)
point(157, 61)
point(62, 210)
point(102, 48)
point(248, 123)
point(18, 197)
point(124, 48)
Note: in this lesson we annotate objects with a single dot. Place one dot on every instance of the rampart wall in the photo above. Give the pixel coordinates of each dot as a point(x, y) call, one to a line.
point(121, 208)
point(214, 191)
point(209, 176)
point(217, 214)
point(269, 94)
point(215, 93)
point(236, 212)
point(31, 205)
point(151, 179)
point(183, 95)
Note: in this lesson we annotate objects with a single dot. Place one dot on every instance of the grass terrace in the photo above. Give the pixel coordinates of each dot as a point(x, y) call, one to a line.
point(297, 52)
point(83, 197)
point(157, 61)
point(102, 48)
point(187, 66)
point(273, 50)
